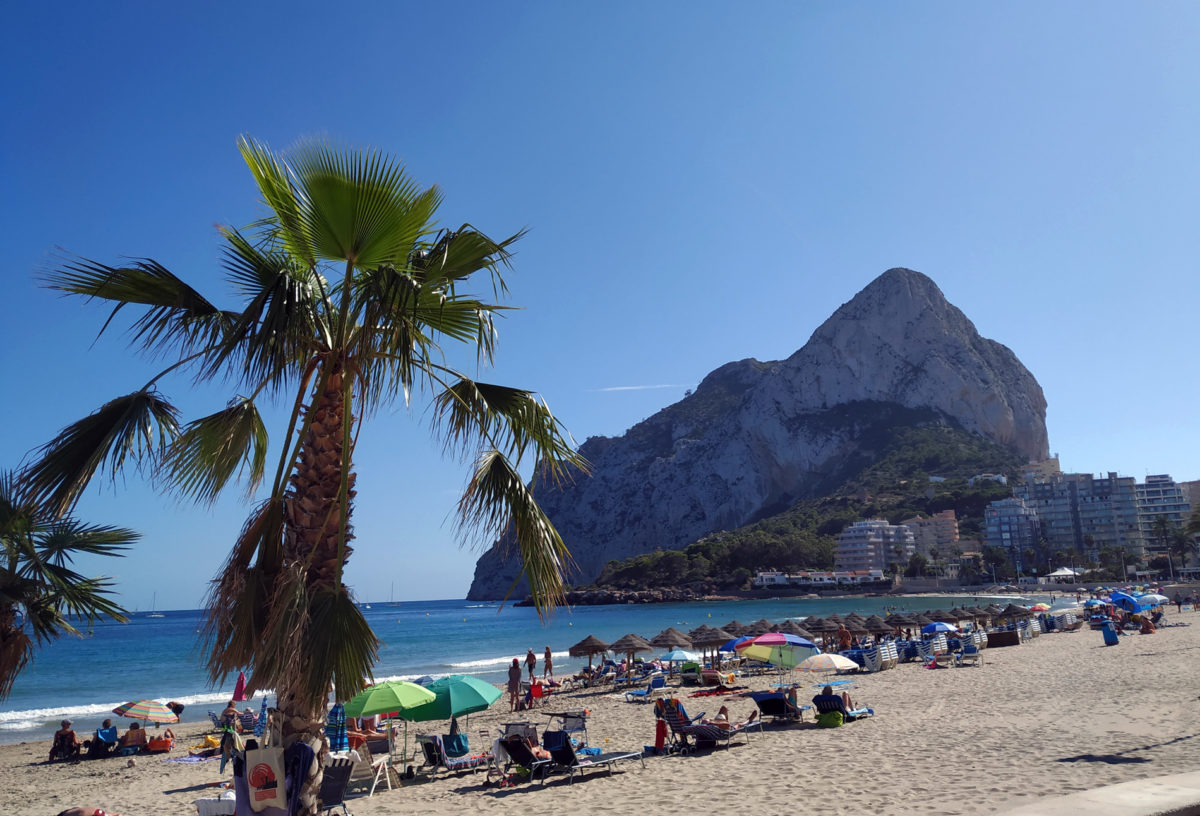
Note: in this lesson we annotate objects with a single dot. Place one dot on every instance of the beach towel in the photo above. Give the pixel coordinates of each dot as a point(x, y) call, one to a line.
point(830, 719)
point(335, 729)
point(260, 727)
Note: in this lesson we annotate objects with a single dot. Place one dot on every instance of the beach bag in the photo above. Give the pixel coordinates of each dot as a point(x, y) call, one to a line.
point(264, 777)
point(830, 719)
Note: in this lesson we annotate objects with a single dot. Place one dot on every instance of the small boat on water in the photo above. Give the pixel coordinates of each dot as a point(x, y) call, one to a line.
point(153, 606)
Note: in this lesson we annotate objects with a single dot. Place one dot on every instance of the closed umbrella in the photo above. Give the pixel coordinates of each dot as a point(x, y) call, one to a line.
point(239, 688)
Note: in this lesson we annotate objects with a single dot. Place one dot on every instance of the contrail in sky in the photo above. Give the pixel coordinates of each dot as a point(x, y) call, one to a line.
point(636, 387)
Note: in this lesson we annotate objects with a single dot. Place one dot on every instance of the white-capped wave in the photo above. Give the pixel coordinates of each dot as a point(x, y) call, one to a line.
point(39, 717)
point(502, 661)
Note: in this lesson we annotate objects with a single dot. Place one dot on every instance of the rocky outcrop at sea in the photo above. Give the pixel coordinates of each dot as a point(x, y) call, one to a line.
point(757, 436)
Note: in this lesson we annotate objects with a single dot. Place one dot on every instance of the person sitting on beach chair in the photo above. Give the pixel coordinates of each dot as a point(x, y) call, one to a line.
point(65, 745)
point(103, 743)
point(827, 701)
point(132, 741)
point(723, 722)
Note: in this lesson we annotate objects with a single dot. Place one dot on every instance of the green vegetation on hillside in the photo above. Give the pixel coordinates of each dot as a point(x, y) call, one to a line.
point(897, 450)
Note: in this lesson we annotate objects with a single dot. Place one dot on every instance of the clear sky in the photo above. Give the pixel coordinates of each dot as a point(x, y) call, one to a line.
point(703, 182)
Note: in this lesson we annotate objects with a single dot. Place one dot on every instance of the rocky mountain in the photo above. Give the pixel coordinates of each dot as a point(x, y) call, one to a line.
point(756, 437)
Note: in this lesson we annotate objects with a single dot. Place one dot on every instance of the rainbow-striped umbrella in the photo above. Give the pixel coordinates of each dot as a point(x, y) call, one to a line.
point(146, 711)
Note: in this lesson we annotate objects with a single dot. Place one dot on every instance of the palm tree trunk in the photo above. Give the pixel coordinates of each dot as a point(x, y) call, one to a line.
point(313, 519)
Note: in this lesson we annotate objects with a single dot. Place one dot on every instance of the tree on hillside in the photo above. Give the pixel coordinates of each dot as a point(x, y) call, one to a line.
point(39, 590)
point(349, 300)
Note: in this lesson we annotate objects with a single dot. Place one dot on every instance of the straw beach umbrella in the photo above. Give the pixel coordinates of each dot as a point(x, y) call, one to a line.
point(759, 627)
point(790, 627)
point(630, 645)
point(877, 625)
point(711, 639)
point(671, 638)
point(734, 628)
point(589, 646)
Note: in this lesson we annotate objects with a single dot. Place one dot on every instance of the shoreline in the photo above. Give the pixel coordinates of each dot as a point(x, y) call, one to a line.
point(1057, 715)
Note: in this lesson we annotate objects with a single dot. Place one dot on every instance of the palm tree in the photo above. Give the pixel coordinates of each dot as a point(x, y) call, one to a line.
point(349, 298)
point(39, 591)
point(1161, 528)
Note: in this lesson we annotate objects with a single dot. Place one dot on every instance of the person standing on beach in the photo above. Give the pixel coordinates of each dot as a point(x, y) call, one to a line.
point(514, 684)
point(548, 665)
point(531, 663)
point(1179, 601)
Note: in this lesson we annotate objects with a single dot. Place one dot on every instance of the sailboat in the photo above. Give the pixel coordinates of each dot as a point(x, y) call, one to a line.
point(153, 606)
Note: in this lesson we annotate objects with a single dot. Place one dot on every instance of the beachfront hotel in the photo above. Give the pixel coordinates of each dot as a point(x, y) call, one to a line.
point(872, 545)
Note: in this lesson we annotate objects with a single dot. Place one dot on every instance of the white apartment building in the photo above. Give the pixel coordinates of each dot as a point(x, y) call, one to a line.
point(872, 545)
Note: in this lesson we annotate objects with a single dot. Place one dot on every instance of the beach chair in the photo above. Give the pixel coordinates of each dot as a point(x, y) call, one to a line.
point(872, 660)
point(970, 654)
point(685, 727)
point(216, 721)
point(778, 707)
point(65, 746)
point(689, 674)
point(657, 683)
point(573, 722)
point(523, 728)
point(436, 758)
point(826, 703)
point(558, 743)
point(520, 754)
point(103, 744)
point(333, 786)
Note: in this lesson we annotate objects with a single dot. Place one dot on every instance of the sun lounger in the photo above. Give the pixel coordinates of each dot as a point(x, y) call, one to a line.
point(970, 654)
point(436, 758)
point(558, 743)
point(826, 703)
point(657, 683)
point(334, 782)
point(778, 707)
point(684, 727)
point(520, 754)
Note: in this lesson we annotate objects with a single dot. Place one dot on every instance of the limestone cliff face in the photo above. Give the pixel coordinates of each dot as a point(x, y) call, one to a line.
point(755, 437)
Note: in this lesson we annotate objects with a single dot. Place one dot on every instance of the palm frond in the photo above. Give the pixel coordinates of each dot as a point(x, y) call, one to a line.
point(178, 317)
point(275, 184)
point(340, 644)
point(212, 450)
point(360, 207)
point(456, 255)
point(136, 426)
point(473, 414)
point(497, 505)
point(238, 604)
point(279, 328)
point(61, 540)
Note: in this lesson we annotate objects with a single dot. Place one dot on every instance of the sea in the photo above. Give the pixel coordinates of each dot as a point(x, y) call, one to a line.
point(159, 655)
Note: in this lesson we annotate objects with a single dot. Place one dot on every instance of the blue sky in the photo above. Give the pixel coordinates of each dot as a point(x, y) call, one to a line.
point(703, 182)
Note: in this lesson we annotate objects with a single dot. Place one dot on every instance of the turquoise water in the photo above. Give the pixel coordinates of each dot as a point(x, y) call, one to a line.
point(160, 658)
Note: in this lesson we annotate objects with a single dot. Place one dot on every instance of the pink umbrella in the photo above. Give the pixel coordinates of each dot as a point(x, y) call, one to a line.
point(239, 689)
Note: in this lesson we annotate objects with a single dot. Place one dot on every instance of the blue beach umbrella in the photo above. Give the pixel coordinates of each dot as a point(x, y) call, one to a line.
point(731, 645)
point(938, 626)
point(679, 655)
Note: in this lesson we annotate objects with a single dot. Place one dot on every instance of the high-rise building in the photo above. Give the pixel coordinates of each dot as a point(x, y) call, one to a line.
point(872, 545)
point(1085, 513)
point(1013, 525)
point(939, 531)
point(1160, 496)
point(1040, 471)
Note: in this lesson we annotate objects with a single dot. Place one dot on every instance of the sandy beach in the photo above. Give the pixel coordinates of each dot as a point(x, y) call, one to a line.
point(1058, 714)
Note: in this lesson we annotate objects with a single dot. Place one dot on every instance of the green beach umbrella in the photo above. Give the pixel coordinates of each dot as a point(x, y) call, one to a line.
point(454, 696)
point(385, 698)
